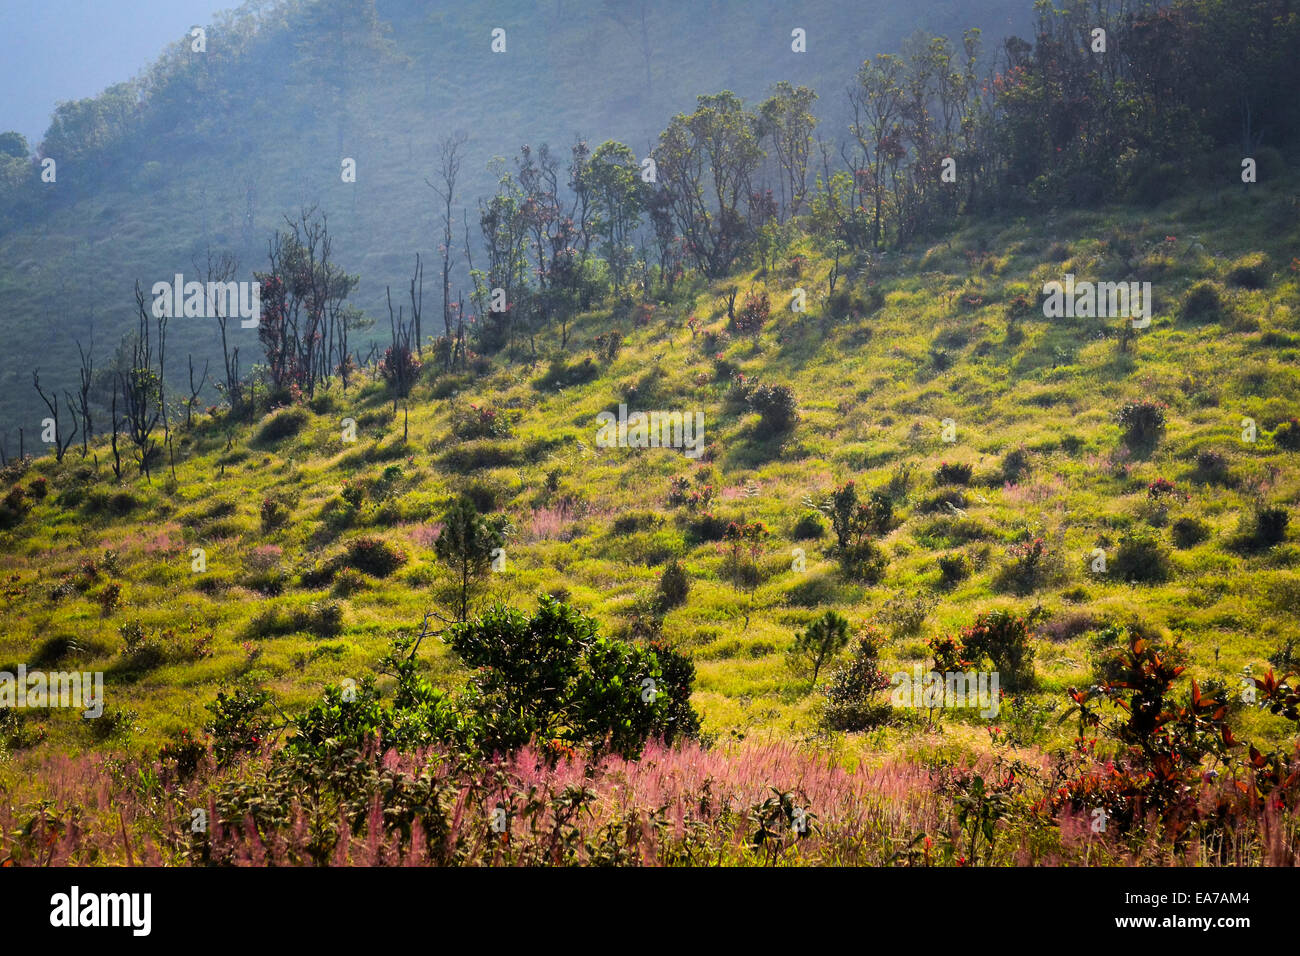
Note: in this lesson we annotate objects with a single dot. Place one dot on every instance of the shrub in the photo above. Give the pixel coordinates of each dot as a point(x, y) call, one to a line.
point(1142, 422)
point(707, 526)
point(956, 473)
point(905, 615)
point(349, 581)
point(1270, 526)
point(1287, 435)
point(140, 650)
point(1249, 272)
point(478, 421)
point(809, 527)
point(777, 408)
point(283, 425)
point(1015, 465)
point(1212, 468)
point(374, 556)
point(323, 620)
point(864, 561)
point(680, 491)
point(551, 676)
point(239, 723)
point(1141, 558)
point(853, 694)
point(1031, 566)
point(1162, 488)
point(110, 598)
point(607, 345)
point(1203, 303)
point(953, 568)
point(13, 507)
point(274, 514)
point(38, 488)
point(674, 586)
point(850, 518)
point(1189, 532)
point(1002, 638)
point(753, 315)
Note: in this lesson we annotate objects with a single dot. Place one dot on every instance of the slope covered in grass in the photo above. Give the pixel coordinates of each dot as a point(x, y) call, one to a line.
point(908, 342)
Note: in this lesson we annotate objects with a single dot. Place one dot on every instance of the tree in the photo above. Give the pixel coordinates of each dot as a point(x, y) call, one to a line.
point(194, 389)
point(86, 382)
point(140, 389)
point(551, 677)
point(786, 120)
point(14, 145)
point(61, 443)
point(504, 224)
point(824, 638)
point(612, 180)
point(877, 101)
point(466, 545)
point(400, 366)
point(706, 162)
point(449, 161)
point(222, 269)
point(303, 298)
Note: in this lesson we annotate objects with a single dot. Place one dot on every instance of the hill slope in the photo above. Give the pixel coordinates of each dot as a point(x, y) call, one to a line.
point(232, 140)
point(918, 340)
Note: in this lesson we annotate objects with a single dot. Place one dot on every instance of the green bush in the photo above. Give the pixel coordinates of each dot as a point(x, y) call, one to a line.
point(1189, 532)
point(374, 556)
point(1287, 435)
point(552, 677)
point(953, 568)
point(282, 425)
point(1203, 303)
point(1003, 639)
point(777, 408)
point(674, 586)
point(1270, 526)
point(956, 473)
point(1251, 271)
point(1142, 422)
point(1141, 558)
point(853, 700)
point(809, 527)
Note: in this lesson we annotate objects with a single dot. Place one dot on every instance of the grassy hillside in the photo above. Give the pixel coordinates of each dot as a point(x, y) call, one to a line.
point(236, 138)
point(907, 342)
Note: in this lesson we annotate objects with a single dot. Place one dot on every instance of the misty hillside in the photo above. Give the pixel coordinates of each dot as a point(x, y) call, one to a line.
point(918, 460)
point(226, 143)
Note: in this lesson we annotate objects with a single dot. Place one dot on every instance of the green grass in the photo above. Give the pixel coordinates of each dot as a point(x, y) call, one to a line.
point(872, 400)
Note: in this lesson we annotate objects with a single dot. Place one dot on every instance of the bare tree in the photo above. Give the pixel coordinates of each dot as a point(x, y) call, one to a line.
point(448, 171)
point(223, 269)
point(87, 377)
point(140, 388)
point(194, 389)
point(400, 367)
point(61, 442)
point(117, 455)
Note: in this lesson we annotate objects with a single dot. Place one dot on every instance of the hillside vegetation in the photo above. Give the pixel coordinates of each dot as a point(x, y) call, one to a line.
point(417, 606)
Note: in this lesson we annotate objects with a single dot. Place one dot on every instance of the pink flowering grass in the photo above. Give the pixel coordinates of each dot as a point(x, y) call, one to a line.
point(687, 805)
